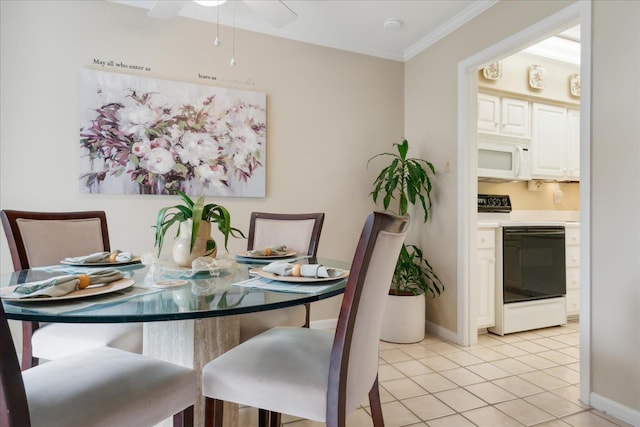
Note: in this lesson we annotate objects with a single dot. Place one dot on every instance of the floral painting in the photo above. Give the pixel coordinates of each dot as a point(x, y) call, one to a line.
point(149, 136)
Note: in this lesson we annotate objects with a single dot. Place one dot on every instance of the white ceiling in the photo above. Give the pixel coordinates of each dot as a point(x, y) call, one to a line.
point(352, 25)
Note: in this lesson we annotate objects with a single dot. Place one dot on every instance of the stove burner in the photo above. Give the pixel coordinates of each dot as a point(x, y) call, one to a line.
point(494, 203)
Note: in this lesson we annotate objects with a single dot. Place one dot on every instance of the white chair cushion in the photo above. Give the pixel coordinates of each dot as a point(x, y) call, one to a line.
point(252, 324)
point(56, 340)
point(107, 387)
point(283, 370)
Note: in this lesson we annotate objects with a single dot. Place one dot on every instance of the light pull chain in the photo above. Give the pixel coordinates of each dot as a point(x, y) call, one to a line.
point(233, 47)
point(216, 42)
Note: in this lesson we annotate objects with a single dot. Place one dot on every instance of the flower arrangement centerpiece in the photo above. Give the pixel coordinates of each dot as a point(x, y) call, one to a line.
point(200, 146)
point(194, 233)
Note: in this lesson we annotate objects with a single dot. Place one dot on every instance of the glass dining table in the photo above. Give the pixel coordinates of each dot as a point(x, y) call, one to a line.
point(188, 317)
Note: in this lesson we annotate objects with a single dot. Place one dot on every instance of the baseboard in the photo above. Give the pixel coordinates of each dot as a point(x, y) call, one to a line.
point(439, 331)
point(323, 324)
point(615, 409)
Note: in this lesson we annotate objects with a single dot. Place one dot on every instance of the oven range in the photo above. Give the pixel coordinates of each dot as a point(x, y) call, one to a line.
point(530, 270)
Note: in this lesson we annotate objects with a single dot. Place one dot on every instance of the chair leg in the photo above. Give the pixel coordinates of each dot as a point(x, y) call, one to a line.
point(374, 403)
point(28, 361)
point(307, 316)
point(184, 418)
point(213, 412)
point(275, 420)
point(263, 418)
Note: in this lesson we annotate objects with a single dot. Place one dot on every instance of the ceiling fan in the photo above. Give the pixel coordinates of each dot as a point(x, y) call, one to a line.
point(274, 11)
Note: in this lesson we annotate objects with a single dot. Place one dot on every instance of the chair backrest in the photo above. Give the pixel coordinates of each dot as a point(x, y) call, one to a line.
point(354, 357)
point(44, 238)
point(300, 232)
point(14, 410)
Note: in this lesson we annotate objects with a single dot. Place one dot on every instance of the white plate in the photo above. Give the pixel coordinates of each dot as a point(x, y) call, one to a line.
point(134, 260)
point(117, 285)
point(246, 254)
point(297, 279)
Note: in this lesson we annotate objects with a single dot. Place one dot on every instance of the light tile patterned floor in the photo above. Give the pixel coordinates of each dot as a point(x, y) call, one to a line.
point(524, 379)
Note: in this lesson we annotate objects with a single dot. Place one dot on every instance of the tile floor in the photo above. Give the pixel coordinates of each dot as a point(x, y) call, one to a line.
point(524, 379)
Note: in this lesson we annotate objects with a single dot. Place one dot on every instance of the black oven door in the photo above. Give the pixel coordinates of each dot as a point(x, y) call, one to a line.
point(533, 263)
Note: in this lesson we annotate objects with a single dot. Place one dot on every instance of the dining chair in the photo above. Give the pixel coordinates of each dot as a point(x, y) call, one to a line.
point(311, 373)
point(300, 233)
point(39, 239)
point(99, 387)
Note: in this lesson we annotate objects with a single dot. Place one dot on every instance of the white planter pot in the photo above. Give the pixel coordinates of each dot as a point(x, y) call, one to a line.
point(404, 319)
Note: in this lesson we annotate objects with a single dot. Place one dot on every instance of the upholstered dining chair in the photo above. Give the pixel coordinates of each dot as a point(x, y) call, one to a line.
point(38, 239)
point(301, 233)
point(311, 373)
point(100, 387)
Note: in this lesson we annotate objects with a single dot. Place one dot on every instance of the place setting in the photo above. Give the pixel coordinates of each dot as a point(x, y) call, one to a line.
point(102, 259)
point(68, 286)
point(266, 254)
point(284, 276)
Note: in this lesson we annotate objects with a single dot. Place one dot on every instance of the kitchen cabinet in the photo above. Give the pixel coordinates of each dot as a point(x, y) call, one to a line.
point(572, 261)
point(486, 275)
point(549, 141)
point(555, 142)
point(503, 116)
point(573, 139)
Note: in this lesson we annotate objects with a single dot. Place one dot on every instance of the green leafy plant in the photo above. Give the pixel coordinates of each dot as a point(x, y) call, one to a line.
point(196, 211)
point(406, 181)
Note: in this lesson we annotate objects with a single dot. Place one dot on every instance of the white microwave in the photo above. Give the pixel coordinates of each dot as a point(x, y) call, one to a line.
point(504, 160)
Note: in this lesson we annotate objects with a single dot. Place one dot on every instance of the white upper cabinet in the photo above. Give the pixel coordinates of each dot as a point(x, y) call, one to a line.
point(573, 138)
point(555, 142)
point(488, 113)
point(504, 116)
point(515, 117)
point(549, 144)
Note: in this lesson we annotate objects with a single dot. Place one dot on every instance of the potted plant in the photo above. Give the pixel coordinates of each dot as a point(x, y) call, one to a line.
point(406, 182)
point(193, 238)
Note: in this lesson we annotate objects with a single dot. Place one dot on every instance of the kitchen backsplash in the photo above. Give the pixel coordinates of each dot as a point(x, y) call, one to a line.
point(549, 196)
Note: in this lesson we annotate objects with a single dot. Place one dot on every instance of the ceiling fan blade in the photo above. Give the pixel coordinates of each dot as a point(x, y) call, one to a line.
point(276, 11)
point(165, 9)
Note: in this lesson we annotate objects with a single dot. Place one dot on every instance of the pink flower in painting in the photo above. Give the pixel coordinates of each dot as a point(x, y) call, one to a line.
point(158, 160)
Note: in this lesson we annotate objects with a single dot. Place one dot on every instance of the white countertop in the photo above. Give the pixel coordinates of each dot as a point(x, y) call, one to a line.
point(528, 218)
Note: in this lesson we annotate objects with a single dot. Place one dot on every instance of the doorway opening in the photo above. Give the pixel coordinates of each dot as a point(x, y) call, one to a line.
point(576, 14)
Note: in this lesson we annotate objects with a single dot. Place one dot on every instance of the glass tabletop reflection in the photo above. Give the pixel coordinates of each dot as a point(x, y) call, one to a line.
point(161, 296)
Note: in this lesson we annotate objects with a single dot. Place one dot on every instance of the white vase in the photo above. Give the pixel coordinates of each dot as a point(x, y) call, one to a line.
point(404, 319)
point(182, 253)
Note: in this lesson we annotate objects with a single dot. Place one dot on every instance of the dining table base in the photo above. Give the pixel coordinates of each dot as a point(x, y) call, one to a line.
point(193, 343)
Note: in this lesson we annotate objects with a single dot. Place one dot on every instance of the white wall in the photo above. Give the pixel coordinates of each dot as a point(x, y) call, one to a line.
point(328, 111)
point(615, 209)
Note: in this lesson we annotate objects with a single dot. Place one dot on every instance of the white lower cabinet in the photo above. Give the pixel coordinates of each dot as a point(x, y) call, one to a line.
point(486, 280)
point(572, 260)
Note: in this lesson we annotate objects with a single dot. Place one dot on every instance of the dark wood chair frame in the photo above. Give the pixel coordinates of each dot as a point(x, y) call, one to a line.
point(312, 251)
point(20, 260)
point(14, 407)
point(339, 365)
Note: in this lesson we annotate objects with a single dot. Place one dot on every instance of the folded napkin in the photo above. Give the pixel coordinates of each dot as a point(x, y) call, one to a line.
point(273, 250)
point(305, 270)
point(101, 257)
point(63, 285)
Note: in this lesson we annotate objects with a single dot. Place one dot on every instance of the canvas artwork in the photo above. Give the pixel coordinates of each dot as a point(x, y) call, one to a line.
point(149, 136)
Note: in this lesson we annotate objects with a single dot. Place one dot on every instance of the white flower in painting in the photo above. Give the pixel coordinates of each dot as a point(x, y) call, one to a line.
point(134, 119)
point(158, 160)
point(197, 147)
point(212, 174)
point(141, 148)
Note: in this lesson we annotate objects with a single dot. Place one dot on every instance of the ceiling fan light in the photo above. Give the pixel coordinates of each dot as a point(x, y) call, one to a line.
point(210, 3)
